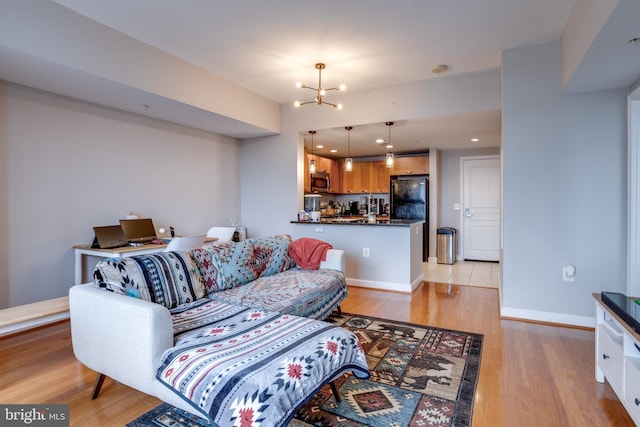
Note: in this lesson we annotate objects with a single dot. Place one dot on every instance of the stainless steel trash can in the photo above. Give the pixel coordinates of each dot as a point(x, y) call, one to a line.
point(446, 245)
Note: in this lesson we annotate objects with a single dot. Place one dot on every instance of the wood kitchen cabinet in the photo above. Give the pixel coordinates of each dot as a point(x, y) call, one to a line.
point(366, 177)
point(410, 166)
point(335, 183)
point(380, 177)
point(323, 165)
point(358, 180)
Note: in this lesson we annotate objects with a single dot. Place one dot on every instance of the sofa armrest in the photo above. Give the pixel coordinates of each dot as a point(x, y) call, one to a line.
point(335, 260)
point(119, 336)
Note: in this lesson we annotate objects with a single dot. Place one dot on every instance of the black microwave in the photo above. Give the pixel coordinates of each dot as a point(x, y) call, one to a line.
point(320, 182)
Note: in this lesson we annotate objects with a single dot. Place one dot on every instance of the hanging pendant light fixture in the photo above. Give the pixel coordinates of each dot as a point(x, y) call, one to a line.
point(389, 157)
point(348, 162)
point(320, 92)
point(312, 163)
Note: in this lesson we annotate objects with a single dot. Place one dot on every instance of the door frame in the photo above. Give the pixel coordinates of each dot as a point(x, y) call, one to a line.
point(461, 232)
point(633, 196)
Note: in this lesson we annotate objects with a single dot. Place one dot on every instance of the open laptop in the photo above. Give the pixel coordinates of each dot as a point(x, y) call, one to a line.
point(139, 230)
point(109, 236)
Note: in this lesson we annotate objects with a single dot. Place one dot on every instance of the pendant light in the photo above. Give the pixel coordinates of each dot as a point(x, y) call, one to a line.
point(312, 163)
point(389, 157)
point(348, 162)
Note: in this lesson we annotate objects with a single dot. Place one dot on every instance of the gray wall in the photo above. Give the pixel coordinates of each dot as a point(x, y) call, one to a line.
point(68, 165)
point(564, 191)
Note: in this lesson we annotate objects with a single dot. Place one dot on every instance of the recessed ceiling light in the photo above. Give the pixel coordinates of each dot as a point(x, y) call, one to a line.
point(474, 140)
point(379, 141)
point(320, 146)
point(388, 146)
point(334, 150)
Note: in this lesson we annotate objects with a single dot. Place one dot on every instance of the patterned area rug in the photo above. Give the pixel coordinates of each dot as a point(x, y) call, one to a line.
point(420, 376)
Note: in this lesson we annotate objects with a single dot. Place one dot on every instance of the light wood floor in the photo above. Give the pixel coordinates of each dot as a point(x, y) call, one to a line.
point(530, 375)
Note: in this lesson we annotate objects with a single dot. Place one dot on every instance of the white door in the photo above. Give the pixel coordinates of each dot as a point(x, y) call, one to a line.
point(480, 208)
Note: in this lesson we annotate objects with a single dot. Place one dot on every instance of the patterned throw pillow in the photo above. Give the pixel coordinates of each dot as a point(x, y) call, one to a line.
point(235, 264)
point(166, 278)
point(273, 254)
point(228, 265)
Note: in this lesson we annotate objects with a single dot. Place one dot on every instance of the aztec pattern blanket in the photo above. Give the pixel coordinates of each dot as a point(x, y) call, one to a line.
point(246, 366)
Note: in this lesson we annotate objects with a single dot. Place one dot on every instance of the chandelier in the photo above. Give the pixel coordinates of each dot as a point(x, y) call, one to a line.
point(320, 92)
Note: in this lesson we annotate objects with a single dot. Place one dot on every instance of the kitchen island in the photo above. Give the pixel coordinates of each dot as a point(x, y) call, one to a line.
point(385, 254)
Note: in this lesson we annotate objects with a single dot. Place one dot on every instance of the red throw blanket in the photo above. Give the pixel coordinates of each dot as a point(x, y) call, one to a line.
point(308, 253)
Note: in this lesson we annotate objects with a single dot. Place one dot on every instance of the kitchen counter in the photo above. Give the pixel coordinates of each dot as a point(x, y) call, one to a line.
point(385, 255)
point(362, 221)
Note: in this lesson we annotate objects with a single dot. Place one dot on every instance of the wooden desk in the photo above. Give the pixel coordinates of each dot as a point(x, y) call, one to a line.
point(81, 251)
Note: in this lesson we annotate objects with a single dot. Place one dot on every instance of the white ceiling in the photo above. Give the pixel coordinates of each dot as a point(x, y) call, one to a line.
point(266, 46)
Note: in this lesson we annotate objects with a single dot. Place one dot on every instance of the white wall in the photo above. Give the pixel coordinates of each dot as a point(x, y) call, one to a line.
point(564, 190)
point(68, 165)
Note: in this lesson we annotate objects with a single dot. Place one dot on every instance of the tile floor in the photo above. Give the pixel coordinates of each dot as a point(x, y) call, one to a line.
point(470, 273)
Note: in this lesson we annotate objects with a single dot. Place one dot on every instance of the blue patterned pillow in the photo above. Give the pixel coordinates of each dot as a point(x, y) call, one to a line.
point(167, 278)
point(272, 254)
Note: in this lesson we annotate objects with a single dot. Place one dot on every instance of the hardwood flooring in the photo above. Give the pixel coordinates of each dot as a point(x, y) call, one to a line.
point(530, 374)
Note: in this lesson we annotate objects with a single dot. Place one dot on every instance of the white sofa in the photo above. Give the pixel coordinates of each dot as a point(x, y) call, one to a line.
point(124, 338)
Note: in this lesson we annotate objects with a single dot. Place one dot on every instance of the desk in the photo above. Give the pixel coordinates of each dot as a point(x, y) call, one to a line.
point(81, 251)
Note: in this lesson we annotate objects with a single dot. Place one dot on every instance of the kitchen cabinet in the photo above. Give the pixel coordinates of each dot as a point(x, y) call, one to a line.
point(418, 165)
point(323, 164)
point(366, 177)
point(335, 183)
point(358, 180)
point(380, 175)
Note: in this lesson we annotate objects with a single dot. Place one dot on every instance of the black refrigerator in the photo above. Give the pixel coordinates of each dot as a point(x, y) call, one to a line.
point(409, 200)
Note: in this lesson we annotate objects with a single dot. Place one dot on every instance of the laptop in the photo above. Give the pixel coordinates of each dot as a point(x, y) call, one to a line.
point(109, 236)
point(139, 230)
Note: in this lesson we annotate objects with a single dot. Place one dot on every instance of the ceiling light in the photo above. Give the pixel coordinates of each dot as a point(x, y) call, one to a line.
point(333, 151)
point(320, 91)
point(379, 141)
point(389, 157)
point(320, 146)
point(312, 163)
point(348, 162)
point(438, 69)
point(474, 140)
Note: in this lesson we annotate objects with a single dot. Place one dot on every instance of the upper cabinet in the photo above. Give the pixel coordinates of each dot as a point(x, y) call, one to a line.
point(366, 177)
point(380, 177)
point(410, 165)
point(358, 180)
point(323, 164)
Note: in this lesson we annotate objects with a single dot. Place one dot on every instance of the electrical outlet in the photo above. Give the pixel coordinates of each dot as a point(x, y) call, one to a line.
point(569, 273)
point(319, 229)
point(365, 252)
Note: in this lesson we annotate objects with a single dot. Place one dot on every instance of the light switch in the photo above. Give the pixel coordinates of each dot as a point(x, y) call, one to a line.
point(456, 206)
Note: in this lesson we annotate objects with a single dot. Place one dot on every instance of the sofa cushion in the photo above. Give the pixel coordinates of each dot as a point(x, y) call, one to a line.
point(235, 264)
point(166, 278)
point(307, 293)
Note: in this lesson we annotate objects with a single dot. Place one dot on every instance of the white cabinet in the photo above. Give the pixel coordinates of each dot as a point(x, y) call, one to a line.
point(618, 357)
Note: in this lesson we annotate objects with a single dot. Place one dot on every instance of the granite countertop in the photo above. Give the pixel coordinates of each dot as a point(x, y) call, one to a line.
point(362, 221)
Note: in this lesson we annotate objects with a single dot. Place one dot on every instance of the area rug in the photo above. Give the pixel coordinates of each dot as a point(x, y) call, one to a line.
point(420, 376)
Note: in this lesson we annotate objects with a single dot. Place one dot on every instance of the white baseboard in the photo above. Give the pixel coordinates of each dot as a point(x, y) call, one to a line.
point(543, 316)
point(32, 323)
point(387, 286)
